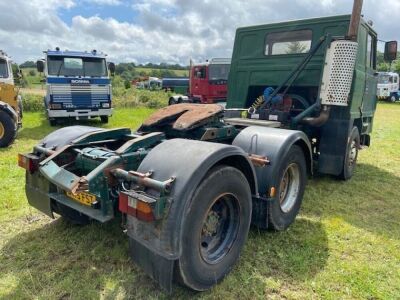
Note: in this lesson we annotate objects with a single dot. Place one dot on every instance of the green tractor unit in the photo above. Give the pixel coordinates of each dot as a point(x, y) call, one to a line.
point(190, 181)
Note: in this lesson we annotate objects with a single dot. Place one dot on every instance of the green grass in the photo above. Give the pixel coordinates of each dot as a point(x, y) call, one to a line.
point(345, 244)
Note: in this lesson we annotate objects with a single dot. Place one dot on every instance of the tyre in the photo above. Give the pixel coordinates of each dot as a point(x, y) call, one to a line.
point(53, 122)
point(393, 99)
point(292, 179)
point(8, 129)
point(215, 228)
point(70, 215)
point(351, 154)
point(104, 119)
point(172, 101)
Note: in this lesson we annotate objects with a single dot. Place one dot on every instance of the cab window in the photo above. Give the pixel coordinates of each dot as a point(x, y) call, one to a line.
point(371, 50)
point(200, 72)
point(288, 42)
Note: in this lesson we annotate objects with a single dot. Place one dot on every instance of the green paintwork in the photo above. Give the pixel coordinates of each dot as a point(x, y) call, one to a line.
point(252, 70)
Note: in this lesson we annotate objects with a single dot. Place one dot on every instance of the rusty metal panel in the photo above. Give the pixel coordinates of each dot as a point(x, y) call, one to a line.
point(183, 116)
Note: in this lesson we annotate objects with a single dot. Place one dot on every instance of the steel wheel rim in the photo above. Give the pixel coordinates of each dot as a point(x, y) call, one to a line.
point(352, 153)
point(2, 130)
point(220, 228)
point(289, 187)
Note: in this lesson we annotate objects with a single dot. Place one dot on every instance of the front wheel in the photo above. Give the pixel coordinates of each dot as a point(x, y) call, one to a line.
point(8, 129)
point(215, 229)
point(292, 179)
point(104, 119)
point(393, 99)
point(351, 155)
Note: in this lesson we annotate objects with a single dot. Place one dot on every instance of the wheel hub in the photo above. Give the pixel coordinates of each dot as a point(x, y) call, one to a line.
point(289, 187)
point(220, 227)
point(211, 225)
point(352, 153)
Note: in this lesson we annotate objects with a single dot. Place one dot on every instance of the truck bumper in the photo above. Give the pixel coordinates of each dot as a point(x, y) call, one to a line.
point(41, 194)
point(79, 114)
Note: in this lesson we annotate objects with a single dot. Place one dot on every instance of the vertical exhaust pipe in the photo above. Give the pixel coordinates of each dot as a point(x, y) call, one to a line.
point(355, 20)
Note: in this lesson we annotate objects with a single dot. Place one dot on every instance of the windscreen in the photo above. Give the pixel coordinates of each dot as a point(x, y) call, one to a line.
point(384, 79)
point(218, 72)
point(76, 66)
point(3, 68)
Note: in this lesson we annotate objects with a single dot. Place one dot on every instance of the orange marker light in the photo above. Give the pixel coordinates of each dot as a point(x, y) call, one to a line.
point(272, 192)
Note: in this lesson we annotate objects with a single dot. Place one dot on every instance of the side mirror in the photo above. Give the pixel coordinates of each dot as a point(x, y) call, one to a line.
point(40, 66)
point(390, 51)
point(111, 68)
point(20, 74)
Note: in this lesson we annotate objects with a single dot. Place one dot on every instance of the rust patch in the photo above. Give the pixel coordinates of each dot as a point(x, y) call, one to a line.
point(183, 116)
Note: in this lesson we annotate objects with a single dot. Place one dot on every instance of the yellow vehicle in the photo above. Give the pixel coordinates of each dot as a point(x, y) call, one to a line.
point(10, 103)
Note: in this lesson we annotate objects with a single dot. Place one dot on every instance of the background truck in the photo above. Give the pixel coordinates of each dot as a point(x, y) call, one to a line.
point(191, 180)
point(10, 103)
point(207, 83)
point(179, 85)
point(388, 86)
point(78, 85)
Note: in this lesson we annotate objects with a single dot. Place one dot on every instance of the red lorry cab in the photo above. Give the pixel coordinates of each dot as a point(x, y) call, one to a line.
point(209, 81)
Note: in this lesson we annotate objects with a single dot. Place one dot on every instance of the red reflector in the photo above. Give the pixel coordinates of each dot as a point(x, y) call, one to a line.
point(123, 203)
point(135, 208)
point(28, 162)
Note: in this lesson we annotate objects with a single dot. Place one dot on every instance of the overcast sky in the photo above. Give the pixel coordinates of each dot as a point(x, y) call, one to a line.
point(161, 30)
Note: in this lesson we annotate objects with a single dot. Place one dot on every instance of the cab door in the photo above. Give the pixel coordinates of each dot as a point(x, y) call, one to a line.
point(371, 79)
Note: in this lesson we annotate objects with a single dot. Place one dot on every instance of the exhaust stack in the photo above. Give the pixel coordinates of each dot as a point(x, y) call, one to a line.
point(355, 20)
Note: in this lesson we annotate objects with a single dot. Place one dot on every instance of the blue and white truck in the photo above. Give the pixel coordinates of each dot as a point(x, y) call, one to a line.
point(388, 86)
point(78, 85)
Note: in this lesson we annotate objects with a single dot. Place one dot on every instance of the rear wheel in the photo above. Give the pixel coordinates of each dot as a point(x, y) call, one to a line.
point(172, 101)
point(292, 178)
point(104, 119)
point(216, 227)
point(351, 155)
point(8, 129)
point(393, 99)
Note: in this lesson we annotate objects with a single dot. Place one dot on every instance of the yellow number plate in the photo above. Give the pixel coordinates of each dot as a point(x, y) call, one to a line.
point(84, 198)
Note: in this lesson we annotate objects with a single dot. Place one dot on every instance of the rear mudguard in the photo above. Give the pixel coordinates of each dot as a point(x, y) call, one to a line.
point(155, 246)
point(273, 143)
point(66, 135)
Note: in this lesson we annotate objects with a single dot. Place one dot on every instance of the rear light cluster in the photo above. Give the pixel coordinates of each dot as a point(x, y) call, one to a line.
point(28, 162)
point(135, 207)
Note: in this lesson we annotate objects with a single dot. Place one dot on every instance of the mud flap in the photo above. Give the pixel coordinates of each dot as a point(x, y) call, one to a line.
point(156, 266)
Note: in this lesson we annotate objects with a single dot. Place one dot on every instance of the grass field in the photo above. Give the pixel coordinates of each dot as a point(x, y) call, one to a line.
point(345, 244)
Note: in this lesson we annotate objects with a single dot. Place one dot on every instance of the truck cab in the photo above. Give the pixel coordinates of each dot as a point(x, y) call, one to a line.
point(6, 74)
point(303, 62)
point(78, 85)
point(208, 83)
point(388, 86)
